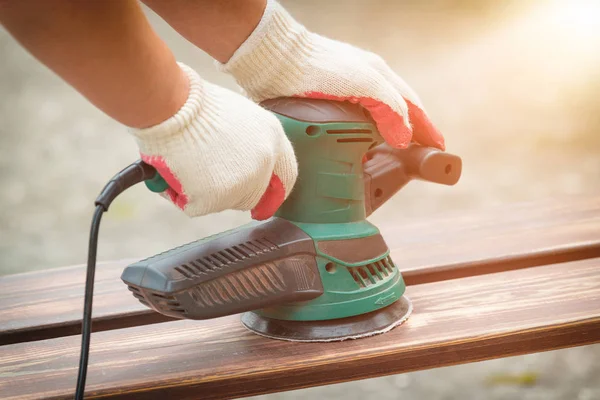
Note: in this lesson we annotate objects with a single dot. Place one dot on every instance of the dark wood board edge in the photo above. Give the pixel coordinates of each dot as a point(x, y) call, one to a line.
point(69, 328)
point(509, 263)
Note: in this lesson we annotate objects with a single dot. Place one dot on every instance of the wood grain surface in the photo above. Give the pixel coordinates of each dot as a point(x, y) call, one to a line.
point(46, 304)
point(455, 321)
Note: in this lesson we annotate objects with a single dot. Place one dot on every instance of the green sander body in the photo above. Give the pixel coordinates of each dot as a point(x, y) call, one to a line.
point(317, 270)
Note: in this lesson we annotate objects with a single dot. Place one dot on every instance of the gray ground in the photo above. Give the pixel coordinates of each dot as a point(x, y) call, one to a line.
point(513, 86)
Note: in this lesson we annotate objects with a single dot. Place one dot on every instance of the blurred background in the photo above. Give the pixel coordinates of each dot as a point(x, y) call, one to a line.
point(513, 86)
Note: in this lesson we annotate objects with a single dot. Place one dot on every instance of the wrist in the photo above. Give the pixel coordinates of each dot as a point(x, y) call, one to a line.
point(217, 27)
point(178, 122)
point(273, 46)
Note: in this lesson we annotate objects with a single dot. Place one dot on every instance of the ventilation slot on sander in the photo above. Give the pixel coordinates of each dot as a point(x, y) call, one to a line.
point(254, 283)
point(369, 274)
point(159, 301)
point(138, 295)
point(219, 259)
point(168, 303)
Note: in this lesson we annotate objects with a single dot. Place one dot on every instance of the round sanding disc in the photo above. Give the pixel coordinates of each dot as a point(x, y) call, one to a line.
point(359, 326)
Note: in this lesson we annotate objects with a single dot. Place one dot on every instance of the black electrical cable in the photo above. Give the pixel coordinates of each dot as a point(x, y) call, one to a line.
point(86, 328)
point(137, 172)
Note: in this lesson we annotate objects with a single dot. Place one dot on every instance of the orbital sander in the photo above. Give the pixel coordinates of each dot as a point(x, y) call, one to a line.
point(317, 271)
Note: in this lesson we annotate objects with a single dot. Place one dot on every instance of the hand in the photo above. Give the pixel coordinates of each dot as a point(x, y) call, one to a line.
point(283, 59)
point(221, 151)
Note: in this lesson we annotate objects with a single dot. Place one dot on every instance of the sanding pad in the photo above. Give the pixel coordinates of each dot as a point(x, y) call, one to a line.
point(373, 323)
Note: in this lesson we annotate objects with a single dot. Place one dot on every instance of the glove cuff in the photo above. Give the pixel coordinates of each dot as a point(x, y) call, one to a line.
point(184, 117)
point(265, 64)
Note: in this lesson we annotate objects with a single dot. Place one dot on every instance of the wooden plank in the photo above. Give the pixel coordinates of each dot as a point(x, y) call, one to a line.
point(46, 304)
point(458, 321)
point(450, 246)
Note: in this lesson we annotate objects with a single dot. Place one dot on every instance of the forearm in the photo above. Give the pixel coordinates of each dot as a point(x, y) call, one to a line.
point(217, 27)
point(104, 49)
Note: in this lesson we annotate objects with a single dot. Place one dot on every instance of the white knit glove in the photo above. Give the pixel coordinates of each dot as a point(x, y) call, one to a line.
point(282, 59)
point(221, 151)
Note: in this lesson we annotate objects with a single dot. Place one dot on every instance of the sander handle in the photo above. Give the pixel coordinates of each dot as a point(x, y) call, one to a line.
point(387, 170)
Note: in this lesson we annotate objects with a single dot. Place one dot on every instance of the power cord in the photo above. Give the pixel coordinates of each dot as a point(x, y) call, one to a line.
point(135, 173)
